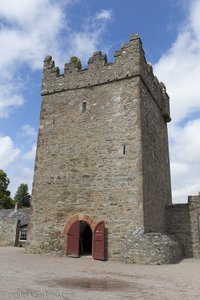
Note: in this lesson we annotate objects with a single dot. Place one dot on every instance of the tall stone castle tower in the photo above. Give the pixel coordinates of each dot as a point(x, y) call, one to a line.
point(102, 176)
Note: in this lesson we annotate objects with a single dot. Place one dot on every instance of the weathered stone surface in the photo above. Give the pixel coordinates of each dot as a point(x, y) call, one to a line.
point(102, 150)
point(9, 231)
point(152, 248)
point(155, 163)
point(183, 221)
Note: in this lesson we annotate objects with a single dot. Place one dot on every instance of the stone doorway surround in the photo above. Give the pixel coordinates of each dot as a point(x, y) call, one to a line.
point(78, 217)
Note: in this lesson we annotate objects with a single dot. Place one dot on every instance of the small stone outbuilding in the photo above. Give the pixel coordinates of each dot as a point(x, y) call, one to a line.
point(13, 226)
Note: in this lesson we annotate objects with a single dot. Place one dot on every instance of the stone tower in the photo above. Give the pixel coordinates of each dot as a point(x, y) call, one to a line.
point(102, 160)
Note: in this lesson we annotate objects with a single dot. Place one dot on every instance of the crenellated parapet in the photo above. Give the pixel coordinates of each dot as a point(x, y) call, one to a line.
point(97, 59)
point(49, 66)
point(129, 62)
point(194, 203)
point(71, 67)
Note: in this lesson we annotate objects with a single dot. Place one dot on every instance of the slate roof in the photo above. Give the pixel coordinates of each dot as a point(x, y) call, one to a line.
point(21, 214)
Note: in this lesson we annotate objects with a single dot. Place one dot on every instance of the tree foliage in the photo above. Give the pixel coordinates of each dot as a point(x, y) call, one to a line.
point(76, 60)
point(5, 200)
point(22, 195)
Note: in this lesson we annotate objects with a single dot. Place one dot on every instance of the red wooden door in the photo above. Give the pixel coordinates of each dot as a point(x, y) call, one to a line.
point(98, 243)
point(73, 239)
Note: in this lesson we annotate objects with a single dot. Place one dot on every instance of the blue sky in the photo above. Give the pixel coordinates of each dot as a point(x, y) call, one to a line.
point(29, 30)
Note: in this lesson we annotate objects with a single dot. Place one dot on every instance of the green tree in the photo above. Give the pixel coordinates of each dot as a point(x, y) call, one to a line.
point(5, 200)
point(76, 60)
point(22, 195)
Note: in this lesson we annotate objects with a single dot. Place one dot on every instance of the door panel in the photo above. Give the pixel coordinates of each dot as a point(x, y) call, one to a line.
point(73, 239)
point(98, 247)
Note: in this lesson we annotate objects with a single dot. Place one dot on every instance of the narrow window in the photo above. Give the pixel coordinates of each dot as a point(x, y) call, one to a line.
point(23, 235)
point(124, 149)
point(84, 104)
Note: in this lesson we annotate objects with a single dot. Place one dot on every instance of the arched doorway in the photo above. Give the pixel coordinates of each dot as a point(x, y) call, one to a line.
point(84, 237)
point(85, 246)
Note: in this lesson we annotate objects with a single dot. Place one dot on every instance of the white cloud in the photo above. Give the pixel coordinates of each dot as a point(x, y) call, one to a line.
point(185, 161)
point(82, 44)
point(9, 98)
point(186, 141)
point(85, 42)
point(28, 130)
point(16, 163)
point(8, 151)
point(32, 29)
point(104, 14)
point(28, 31)
point(179, 69)
point(30, 155)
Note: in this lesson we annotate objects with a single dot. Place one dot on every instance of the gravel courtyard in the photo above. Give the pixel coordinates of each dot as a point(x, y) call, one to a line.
point(48, 277)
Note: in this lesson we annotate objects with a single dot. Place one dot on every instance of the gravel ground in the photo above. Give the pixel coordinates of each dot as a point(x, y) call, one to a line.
point(31, 276)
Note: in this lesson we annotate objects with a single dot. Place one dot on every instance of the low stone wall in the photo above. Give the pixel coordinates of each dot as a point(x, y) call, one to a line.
point(179, 223)
point(9, 231)
point(153, 249)
point(194, 210)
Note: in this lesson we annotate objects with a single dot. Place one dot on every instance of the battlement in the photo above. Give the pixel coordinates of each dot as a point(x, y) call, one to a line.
point(129, 62)
point(194, 201)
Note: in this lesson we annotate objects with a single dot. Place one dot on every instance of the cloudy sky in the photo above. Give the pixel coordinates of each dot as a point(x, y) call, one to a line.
point(31, 29)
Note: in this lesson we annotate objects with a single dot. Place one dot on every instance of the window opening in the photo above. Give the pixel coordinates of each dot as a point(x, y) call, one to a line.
point(124, 149)
point(23, 235)
point(84, 105)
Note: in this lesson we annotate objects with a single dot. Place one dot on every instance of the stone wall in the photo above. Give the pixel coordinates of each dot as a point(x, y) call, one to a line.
point(178, 223)
point(183, 221)
point(81, 167)
point(9, 231)
point(194, 210)
point(153, 249)
point(92, 149)
point(155, 162)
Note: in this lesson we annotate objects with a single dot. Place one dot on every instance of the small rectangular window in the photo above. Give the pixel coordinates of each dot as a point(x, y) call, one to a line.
point(84, 105)
point(23, 235)
point(124, 149)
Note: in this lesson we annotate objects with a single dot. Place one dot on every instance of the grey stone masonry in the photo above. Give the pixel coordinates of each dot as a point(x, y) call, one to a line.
point(152, 249)
point(9, 231)
point(102, 151)
point(178, 223)
point(183, 221)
